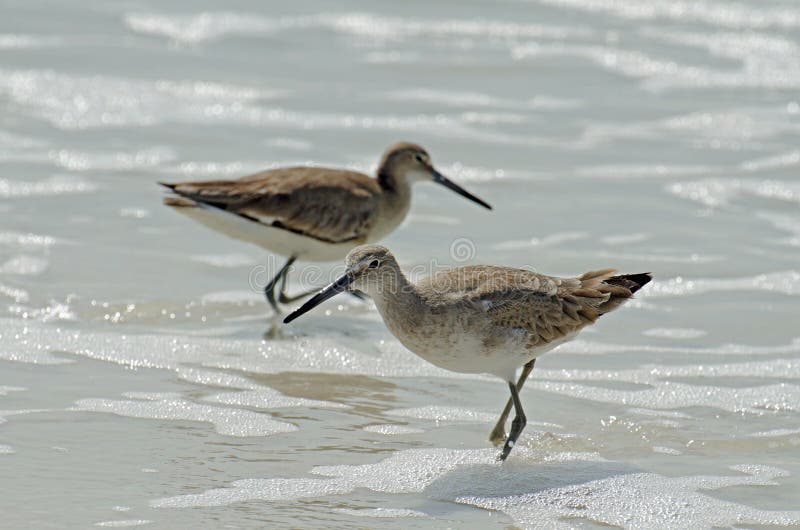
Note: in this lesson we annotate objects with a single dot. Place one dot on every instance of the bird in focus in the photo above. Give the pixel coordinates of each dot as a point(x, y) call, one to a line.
point(481, 319)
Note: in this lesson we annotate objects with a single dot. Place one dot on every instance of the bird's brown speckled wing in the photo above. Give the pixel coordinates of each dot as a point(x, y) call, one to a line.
point(327, 204)
point(546, 308)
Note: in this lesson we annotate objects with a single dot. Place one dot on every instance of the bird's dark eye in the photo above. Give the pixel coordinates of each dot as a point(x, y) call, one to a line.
point(418, 158)
point(374, 264)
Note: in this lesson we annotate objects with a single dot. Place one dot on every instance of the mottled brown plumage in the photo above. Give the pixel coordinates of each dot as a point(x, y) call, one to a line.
point(482, 319)
point(327, 204)
point(332, 205)
point(546, 308)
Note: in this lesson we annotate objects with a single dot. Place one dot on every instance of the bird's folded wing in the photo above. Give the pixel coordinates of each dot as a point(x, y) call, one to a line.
point(545, 308)
point(326, 204)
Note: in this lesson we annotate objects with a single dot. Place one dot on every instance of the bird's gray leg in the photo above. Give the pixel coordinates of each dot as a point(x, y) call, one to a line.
point(517, 425)
point(269, 290)
point(498, 434)
point(286, 299)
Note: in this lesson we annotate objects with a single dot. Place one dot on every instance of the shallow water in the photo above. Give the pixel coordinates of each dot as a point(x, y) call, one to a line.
point(135, 387)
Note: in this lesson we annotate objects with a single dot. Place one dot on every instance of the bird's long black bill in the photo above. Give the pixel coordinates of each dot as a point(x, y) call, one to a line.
point(447, 183)
point(330, 291)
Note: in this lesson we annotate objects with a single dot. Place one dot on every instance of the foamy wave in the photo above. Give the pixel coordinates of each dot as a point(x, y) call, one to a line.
point(674, 333)
point(24, 265)
point(268, 398)
point(123, 523)
point(659, 391)
point(17, 41)
point(26, 240)
point(226, 421)
point(448, 414)
point(543, 495)
point(583, 347)
point(660, 73)
point(477, 99)
point(391, 430)
point(786, 223)
point(381, 513)
point(783, 160)
point(192, 29)
point(58, 185)
point(783, 282)
point(636, 171)
point(20, 296)
point(225, 261)
point(208, 26)
point(718, 192)
point(75, 102)
point(79, 102)
point(5, 389)
point(623, 499)
point(116, 161)
point(721, 14)
point(671, 395)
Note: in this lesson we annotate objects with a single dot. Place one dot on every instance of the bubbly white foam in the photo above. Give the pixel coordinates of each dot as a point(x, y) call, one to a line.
point(79, 102)
point(583, 347)
point(192, 29)
point(275, 489)
point(226, 421)
point(20, 296)
point(659, 413)
point(207, 26)
point(267, 398)
point(674, 333)
point(734, 15)
point(775, 433)
point(381, 513)
point(27, 240)
point(123, 523)
point(628, 500)
point(785, 223)
point(783, 160)
point(666, 450)
point(718, 192)
point(26, 341)
point(671, 395)
point(657, 73)
point(391, 430)
point(534, 494)
point(443, 413)
point(24, 265)
point(476, 99)
point(406, 471)
point(225, 261)
point(783, 282)
point(19, 41)
point(57, 185)
point(112, 161)
point(6, 449)
point(595, 134)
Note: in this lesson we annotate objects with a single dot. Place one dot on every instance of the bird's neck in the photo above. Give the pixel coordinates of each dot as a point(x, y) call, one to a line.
point(397, 294)
point(395, 201)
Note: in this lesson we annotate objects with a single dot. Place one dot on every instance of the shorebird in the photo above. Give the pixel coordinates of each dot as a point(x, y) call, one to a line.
point(311, 213)
point(481, 319)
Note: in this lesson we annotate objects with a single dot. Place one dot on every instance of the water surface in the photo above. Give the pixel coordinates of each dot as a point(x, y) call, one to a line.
point(136, 389)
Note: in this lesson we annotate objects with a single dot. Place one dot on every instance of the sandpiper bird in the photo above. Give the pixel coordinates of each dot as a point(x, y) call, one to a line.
point(481, 319)
point(311, 213)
